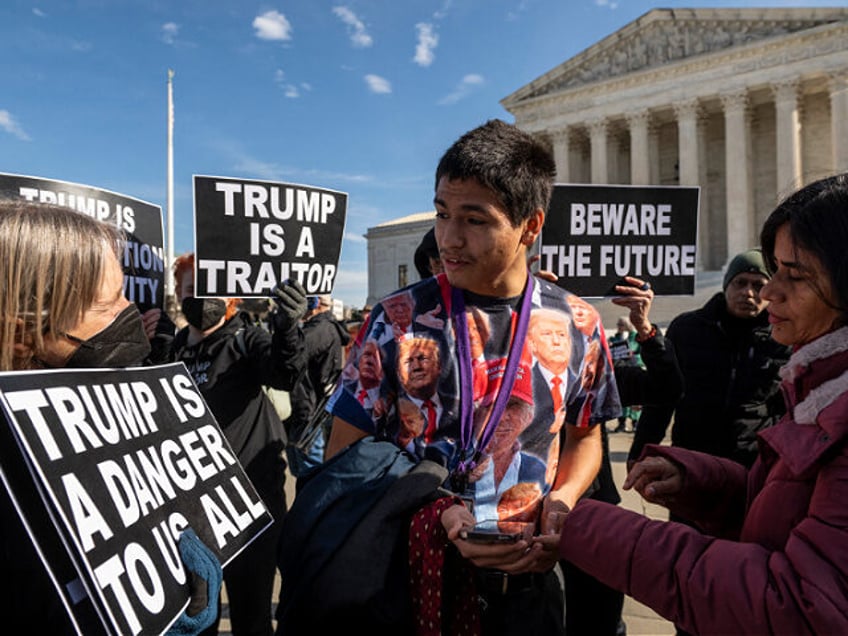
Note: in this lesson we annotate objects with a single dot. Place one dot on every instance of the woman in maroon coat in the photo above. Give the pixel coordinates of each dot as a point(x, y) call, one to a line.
point(773, 557)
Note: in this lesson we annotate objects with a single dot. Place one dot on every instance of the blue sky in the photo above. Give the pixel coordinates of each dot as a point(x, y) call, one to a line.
point(360, 96)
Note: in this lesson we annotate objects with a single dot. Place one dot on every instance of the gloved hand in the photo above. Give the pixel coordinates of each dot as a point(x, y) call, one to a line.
point(205, 574)
point(290, 297)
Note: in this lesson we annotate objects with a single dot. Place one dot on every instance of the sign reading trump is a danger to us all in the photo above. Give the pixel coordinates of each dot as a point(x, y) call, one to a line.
point(250, 235)
point(595, 235)
point(123, 461)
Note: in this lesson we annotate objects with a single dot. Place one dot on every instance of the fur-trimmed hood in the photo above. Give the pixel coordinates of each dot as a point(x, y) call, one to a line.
point(827, 354)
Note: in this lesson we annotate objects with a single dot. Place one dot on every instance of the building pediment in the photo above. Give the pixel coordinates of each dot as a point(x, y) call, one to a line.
point(664, 36)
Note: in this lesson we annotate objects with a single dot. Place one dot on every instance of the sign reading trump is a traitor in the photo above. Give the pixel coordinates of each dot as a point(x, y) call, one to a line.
point(594, 235)
point(140, 222)
point(106, 469)
point(250, 235)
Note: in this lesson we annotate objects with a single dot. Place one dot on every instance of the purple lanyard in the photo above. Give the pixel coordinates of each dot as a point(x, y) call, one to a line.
point(466, 381)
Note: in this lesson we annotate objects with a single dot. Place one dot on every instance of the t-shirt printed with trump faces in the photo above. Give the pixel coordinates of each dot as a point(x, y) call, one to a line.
point(526, 450)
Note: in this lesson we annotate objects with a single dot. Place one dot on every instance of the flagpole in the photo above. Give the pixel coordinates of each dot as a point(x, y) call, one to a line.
point(169, 279)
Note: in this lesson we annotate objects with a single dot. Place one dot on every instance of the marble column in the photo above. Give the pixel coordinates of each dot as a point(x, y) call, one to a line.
point(737, 172)
point(654, 153)
point(598, 142)
point(839, 120)
point(687, 140)
point(688, 113)
point(561, 138)
point(704, 216)
point(788, 135)
point(640, 156)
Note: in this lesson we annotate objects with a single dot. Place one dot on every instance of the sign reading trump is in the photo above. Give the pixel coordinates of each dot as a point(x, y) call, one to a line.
point(140, 222)
point(250, 235)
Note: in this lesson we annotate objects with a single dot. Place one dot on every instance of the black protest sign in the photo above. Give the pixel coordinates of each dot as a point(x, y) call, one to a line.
point(124, 460)
point(594, 235)
point(142, 258)
point(620, 350)
point(250, 235)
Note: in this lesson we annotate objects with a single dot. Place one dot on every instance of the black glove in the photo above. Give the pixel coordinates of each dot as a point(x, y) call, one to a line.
point(290, 297)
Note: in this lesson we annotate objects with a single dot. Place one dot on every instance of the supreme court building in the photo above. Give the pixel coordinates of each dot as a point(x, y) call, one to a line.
point(748, 104)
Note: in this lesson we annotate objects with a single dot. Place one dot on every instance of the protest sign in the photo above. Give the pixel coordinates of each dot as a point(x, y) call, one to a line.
point(594, 235)
point(250, 235)
point(620, 350)
point(122, 461)
point(141, 222)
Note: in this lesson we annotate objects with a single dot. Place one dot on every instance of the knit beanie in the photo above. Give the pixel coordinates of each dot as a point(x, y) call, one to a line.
point(750, 261)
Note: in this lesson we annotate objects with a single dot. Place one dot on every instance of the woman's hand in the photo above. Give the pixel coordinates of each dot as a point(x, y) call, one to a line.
point(149, 319)
point(657, 479)
point(637, 296)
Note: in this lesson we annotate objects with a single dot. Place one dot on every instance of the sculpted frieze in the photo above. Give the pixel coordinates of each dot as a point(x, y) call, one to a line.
point(662, 42)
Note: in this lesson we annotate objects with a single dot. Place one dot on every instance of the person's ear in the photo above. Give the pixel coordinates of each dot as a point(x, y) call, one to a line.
point(533, 226)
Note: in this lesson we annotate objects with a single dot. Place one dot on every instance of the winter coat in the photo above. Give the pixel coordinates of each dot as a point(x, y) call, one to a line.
point(731, 384)
point(324, 338)
point(775, 560)
point(230, 367)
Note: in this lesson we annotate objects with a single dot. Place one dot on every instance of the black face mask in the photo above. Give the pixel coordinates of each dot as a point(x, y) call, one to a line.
point(203, 313)
point(121, 344)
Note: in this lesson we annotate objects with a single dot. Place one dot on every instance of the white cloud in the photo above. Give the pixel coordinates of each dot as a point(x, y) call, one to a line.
point(442, 13)
point(427, 42)
point(463, 89)
point(8, 124)
point(377, 84)
point(516, 12)
point(272, 25)
point(354, 237)
point(290, 90)
point(39, 12)
point(607, 3)
point(358, 35)
point(170, 31)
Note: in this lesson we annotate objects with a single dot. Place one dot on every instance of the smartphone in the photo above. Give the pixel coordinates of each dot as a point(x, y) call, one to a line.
point(497, 532)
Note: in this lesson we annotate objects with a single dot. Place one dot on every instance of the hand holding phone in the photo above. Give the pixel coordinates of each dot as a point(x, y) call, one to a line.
point(492, 531)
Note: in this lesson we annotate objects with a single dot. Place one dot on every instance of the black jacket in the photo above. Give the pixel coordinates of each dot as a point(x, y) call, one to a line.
point(324, 338)
point(230, 367)
point(731, 384)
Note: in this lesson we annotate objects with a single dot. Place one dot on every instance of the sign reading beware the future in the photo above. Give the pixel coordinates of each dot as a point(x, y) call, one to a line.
point(594, 235)
point(105, 468)
point(250, 235)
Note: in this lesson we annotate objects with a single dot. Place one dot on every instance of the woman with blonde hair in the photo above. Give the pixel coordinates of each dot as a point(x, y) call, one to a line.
point(62, 292)
point(62, 302)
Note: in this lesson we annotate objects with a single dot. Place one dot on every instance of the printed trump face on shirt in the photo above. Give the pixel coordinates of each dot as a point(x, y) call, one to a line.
point(419, 366)
point(550, 339)
point(370, 365)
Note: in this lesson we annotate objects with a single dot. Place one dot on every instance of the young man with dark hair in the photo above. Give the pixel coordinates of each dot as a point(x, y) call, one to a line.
point(492, 190)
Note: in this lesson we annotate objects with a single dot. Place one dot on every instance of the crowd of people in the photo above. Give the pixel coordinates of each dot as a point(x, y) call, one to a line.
point(481, 393)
